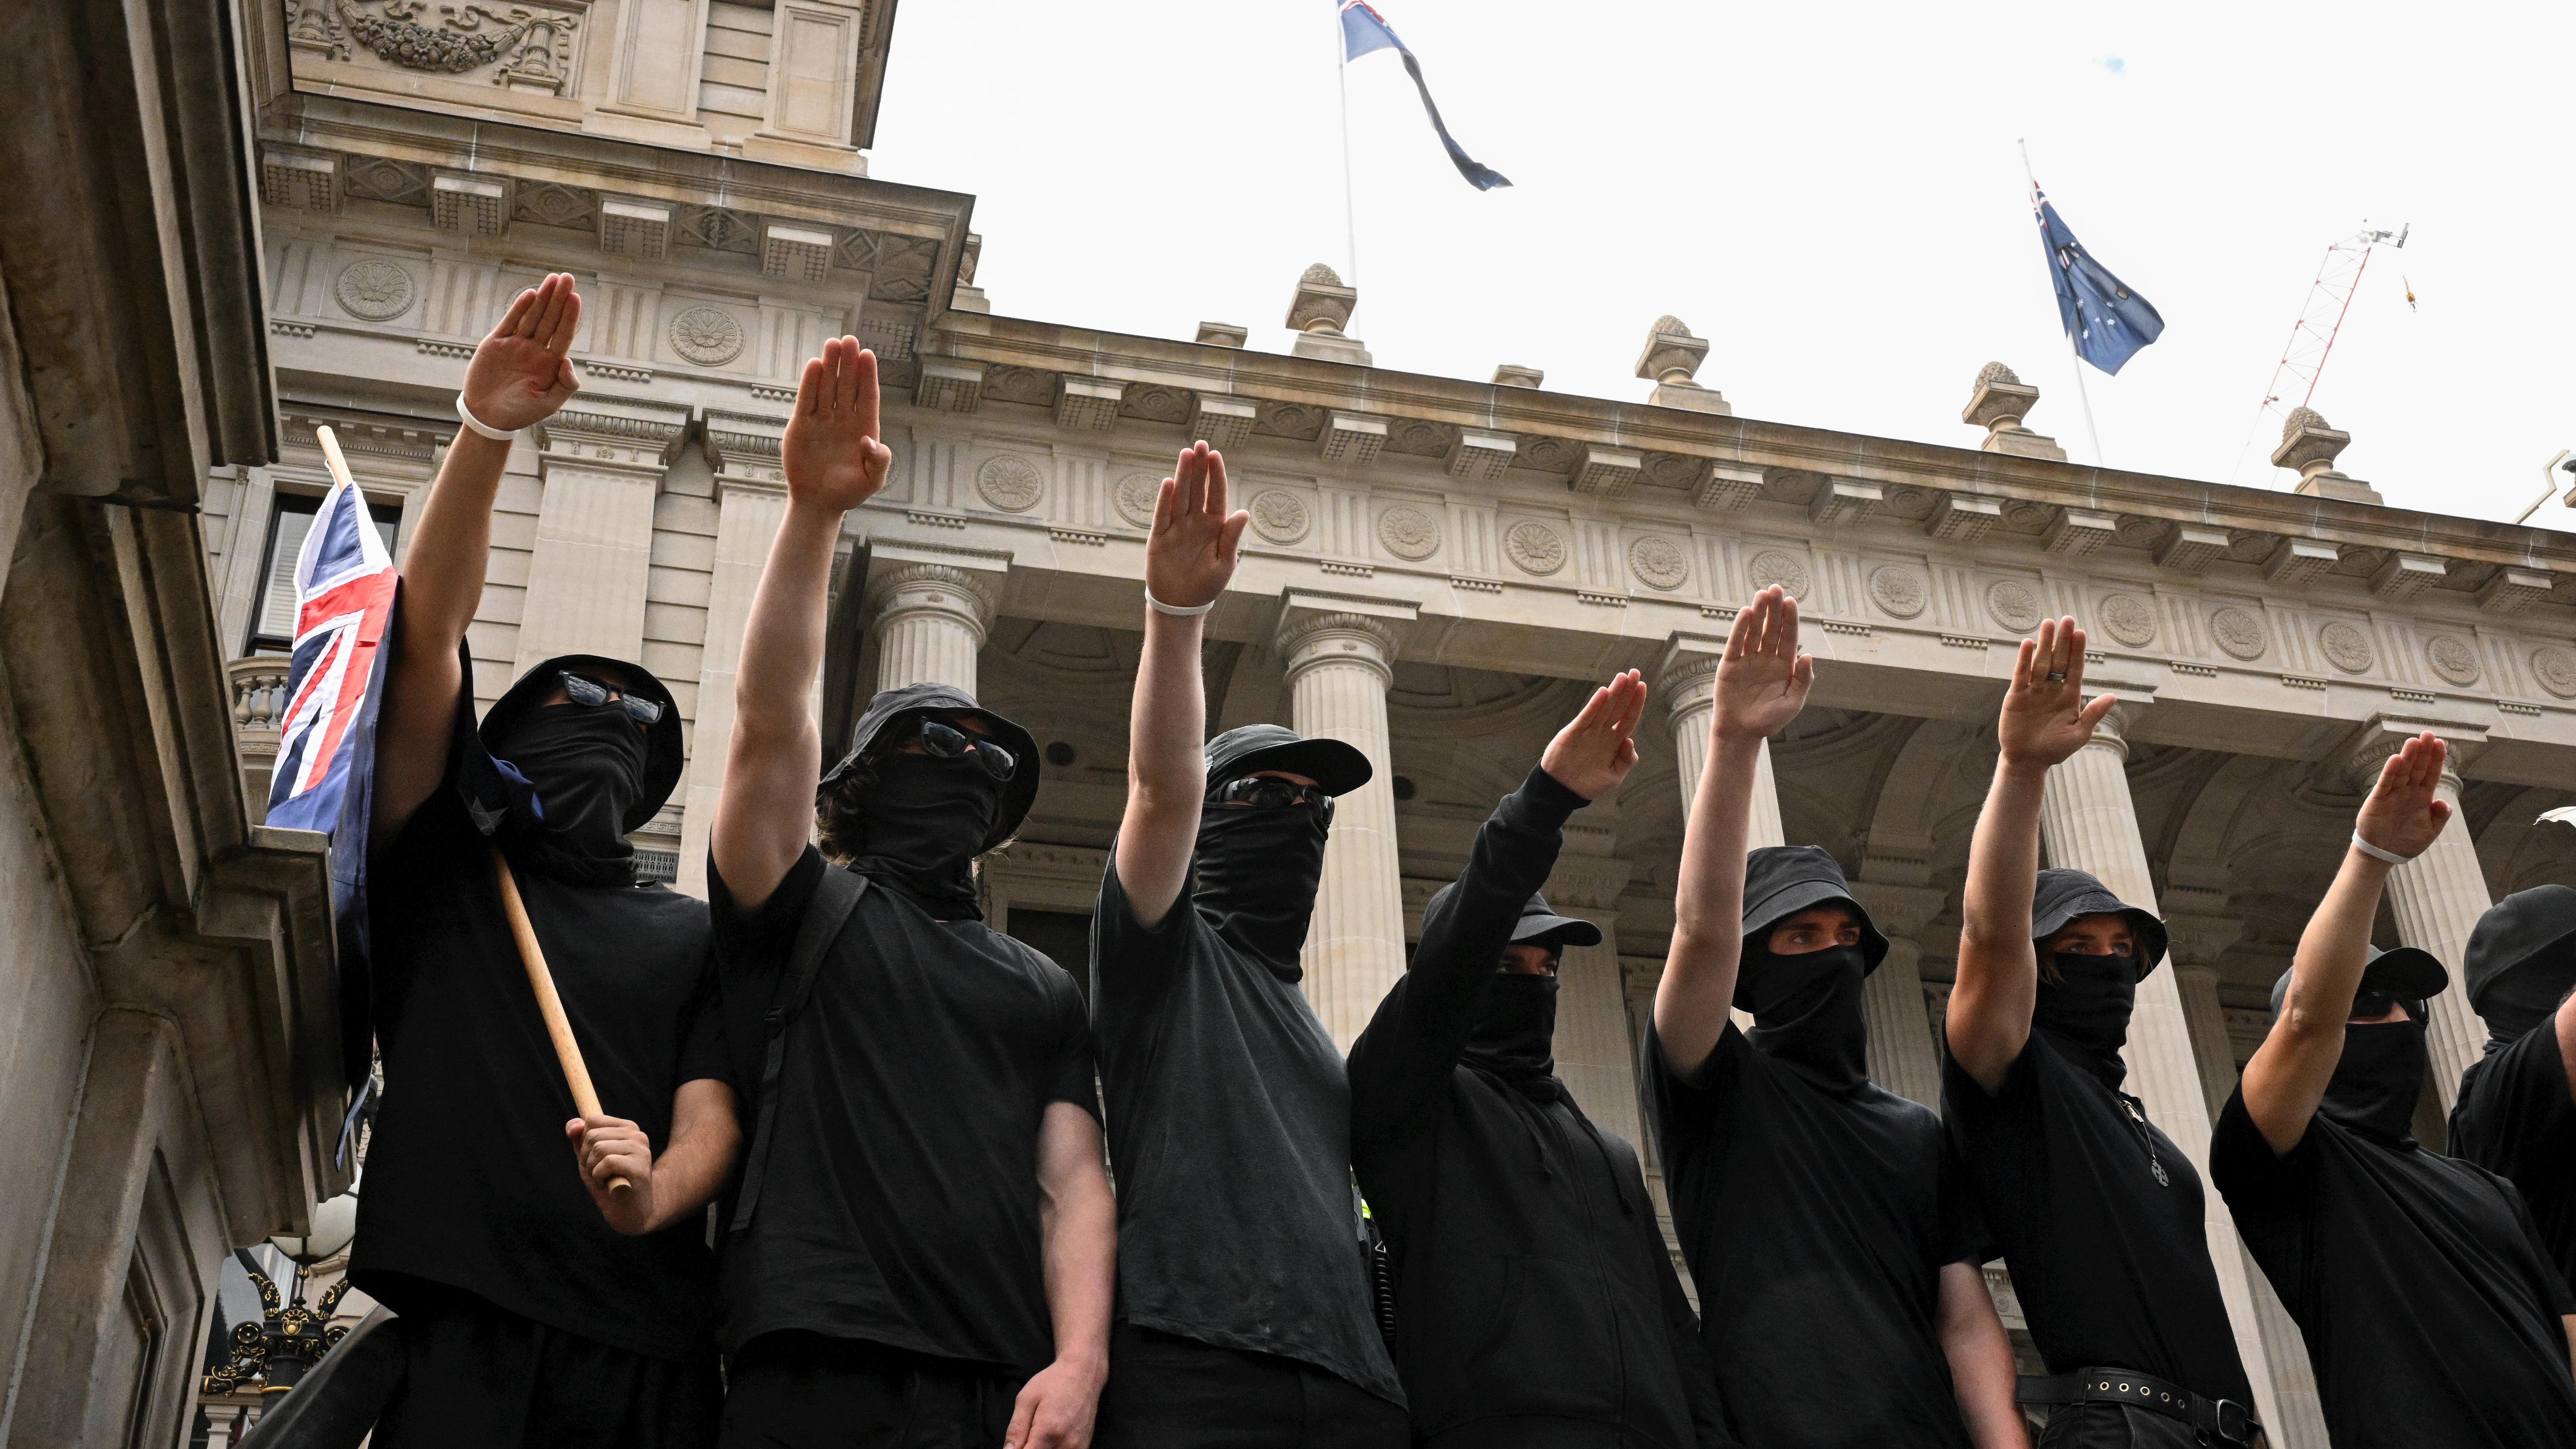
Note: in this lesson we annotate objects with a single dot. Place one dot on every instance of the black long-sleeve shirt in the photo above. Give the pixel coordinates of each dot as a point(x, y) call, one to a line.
point(1532, 1284)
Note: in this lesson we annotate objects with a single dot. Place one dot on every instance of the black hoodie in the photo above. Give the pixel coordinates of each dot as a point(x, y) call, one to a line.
point(1533, 1290)
point(2515, 1115)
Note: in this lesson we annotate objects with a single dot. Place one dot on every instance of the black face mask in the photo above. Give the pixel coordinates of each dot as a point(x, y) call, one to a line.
point(923, 826)
point(1807, 1012)
point(1513, 1033)
point(588, 769)
point(2525, 996)
point(1257, 870)
point(2088, 1009)
point(2375, 1085)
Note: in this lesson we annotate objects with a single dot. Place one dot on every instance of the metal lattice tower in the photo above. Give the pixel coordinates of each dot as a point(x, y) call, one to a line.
point(2312, 337)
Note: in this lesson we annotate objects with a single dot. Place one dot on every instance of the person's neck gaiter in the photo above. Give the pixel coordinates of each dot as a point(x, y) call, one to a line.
point(1807, 1012)
point(921, 829)
point(1513, 1033)
point(2521, 999)
point(1256, 871)
point(2375, 1085)
point(587, 767)
point(2088, 1008)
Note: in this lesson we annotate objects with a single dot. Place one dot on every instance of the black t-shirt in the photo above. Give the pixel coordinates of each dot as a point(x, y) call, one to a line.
point(2112, 1269)
point(1230, 1128)
point(470, 1180)
point(2430, 1308)
point(900, 1203)
point(2514, 1117)
point(1816, 1223)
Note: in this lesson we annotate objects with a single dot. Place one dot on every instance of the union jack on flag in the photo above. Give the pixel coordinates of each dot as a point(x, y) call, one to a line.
point(344, 589)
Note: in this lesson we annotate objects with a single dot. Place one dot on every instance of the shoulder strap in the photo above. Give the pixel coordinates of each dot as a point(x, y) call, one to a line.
point(835, 896)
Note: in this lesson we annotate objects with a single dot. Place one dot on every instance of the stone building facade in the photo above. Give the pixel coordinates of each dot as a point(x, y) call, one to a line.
point(1436, 570)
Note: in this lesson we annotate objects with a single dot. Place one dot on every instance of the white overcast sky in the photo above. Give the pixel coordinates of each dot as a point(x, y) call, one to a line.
point(1829, 193)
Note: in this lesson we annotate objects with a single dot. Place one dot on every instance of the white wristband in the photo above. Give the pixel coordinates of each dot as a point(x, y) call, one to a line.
point(477, 424)
point(1192, 612)
point(2375, 853)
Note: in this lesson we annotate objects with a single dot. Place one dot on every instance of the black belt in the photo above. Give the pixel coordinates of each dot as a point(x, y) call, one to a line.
point(2226, 1418)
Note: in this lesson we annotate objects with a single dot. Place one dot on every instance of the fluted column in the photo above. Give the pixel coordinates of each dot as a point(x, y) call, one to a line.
point(2437, 898)
point(1338, 668)
point(1688, 683)
point(751, 501)
point(930, 622)
point(1902, 1057)
point(1596, 1057)
point(2087, 821)
point(2296, 1419)
point(602, 460)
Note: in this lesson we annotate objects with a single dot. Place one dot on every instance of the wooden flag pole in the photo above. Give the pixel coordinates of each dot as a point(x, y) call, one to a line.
point(549, 1005)
point(331, 455)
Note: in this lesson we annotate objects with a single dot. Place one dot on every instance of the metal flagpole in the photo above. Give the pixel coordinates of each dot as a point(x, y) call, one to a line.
point(1350, 212)
point(2073, 352)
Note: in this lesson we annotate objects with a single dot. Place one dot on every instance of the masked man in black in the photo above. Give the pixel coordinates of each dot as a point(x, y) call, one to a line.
point(2432, 1312)
point(1535, 1304)
point(1243, 1315)
point(921, 1251)
point(2516, 1113)
point(2098, 1213)
point(1824, 1221)
point(536, 1305)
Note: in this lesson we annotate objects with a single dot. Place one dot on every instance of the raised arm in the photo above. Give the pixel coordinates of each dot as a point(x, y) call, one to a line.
point(834, 462)
point(1762, 683)
point(2287, 1077)
point(1188, 559)
point(1078, 1228)
point(1420, 1027)
point(2044, 720)
point(518, 377)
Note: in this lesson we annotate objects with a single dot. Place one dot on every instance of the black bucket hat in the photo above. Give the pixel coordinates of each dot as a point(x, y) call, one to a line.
point(1782, 880)
point(2408, 973)
point(2517, 966)
point(662, 751)
point(2060, 895)
point(893, 708)
point(1335, 767)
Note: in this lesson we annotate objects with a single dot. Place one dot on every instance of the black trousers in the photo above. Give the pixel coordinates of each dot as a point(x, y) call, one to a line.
point(796, 1390)
point(1525, 1431)
point(2121, 1426)
point(476, 1375)
point(1169, 1392)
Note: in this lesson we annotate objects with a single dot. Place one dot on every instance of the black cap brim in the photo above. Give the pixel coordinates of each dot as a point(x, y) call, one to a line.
point(2063, 895)
point(2408, 973)
point(1566, 930)
point(1336, 767)
point(663, 753)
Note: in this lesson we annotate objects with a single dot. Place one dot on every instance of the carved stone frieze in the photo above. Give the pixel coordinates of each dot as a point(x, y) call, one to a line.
point(1534, 548)
point(707, 336)
point(2556, 671)
point(1898, 591)
point(525, 47)
point(1134, 497)
point(2128, 619)
point(2013, 604)
point(1010, 482)
point(1279, 516)
point(1771, 566)
point(373, 289)
point(2238, 632)
point(2453, 657)
point(2345, 646)
point(1659, 562)
point(1408, 532)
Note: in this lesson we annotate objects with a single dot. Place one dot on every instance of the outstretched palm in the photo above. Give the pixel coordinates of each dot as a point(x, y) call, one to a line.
point(831, 453)
point(1762, 679)
point(520, 373)
point(1190, 554)
point(2045, 718)
point(1597, 748)
point(2404, 812)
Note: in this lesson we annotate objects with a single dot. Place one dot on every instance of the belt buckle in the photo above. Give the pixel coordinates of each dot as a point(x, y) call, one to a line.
point(2235, 1421)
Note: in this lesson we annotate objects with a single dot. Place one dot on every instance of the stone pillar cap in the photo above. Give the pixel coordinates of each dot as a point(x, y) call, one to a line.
point(2309, 443)
point(1223, 334)
point(1512, 374)
point(1672, 356)
point(2001, 400)
point(1322, 303)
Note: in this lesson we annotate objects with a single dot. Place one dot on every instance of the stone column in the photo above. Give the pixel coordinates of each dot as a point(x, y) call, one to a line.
point(930, 621)
point(1338, 667)
point(751, 501)
point(2087, 821)
point(1595, 1056)
point(601, 463)
point(1688, 682)
point(1902, 1057)
point(2437, 897)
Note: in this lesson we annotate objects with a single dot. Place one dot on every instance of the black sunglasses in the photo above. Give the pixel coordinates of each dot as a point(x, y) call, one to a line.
point(589, 693)
point(1263, 792)
point(944, 742)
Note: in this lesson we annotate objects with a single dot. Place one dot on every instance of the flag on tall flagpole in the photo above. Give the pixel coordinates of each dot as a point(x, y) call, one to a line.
point(2106, 321)
point(1364, 30)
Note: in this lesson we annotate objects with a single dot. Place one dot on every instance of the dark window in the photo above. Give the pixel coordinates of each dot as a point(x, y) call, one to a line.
point(272, 624)
point(1065, 936)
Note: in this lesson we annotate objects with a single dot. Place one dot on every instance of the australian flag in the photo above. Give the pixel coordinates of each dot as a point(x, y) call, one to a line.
point(345, 588)
point(1364, 30)
point(2107, 321)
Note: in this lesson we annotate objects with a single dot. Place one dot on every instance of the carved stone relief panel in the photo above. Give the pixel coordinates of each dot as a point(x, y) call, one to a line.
point(2556, 671)
point(2238, 631)
point(1408, 532)
point(1280, 516)
point(1772, 566)
point(706, 336)
point(518, 46)
point(1898, 591)
point(2454, 657)
point(1135, 497)
point(373, 289)
point(1010, 482)
point(1659, 562)
point(2014, 604)
point(2346, 646)
point(1534, 548)
point(2127, 619)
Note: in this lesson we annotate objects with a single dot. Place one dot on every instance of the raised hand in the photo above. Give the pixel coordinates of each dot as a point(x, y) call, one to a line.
point(832, 456)
point(1597, 748)
point(610, 1148)
point(2403, 813)
point(1762, 679)
point(2045, 718)
point(1191, 552)
point(520, 373)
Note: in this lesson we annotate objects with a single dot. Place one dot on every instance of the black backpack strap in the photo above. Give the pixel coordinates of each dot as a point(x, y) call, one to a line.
point(835, 896)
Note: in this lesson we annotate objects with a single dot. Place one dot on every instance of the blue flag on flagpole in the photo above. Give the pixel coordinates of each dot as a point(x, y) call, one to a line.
point(2107, 322)
point(1364, 30)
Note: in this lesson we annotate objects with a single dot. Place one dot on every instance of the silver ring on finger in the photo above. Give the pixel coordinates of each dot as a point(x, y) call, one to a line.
point(2057, 676)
